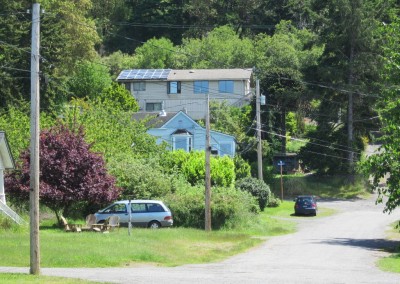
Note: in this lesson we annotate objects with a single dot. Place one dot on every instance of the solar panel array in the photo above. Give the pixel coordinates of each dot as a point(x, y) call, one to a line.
point(144, 74)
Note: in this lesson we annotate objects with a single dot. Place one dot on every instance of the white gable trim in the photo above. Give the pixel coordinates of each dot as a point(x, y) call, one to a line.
point(176, 115)
point(7, 161)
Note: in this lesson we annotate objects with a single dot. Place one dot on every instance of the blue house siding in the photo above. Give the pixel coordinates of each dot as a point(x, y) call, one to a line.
point(182, 132)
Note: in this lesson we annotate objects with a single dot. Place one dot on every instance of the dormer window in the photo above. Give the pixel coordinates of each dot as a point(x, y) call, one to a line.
point(182, 139)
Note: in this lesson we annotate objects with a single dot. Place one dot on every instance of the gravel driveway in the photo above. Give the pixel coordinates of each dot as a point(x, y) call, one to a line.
point(339, 249)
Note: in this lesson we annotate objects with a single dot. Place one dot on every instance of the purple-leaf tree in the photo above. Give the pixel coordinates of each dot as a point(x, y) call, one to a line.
point(70, 174)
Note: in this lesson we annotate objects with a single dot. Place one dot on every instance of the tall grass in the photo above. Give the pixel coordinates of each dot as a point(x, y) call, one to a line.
point(392, 262)
point(19, 278)
point(322, 186)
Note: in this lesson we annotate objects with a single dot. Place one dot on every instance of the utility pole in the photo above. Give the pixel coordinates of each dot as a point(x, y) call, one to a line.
point(259, 144)
point(34, 129)
point(350, 131)
point(207, 225)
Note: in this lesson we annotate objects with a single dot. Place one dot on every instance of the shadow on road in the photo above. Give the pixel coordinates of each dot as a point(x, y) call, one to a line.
point(370, 244)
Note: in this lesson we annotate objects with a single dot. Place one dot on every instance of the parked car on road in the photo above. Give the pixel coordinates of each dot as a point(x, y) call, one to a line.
point(305, 205)
point(143, 213)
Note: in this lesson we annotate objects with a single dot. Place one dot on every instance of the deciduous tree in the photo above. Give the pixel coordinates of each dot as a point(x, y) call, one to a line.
point(384, 166)
point(70, 173)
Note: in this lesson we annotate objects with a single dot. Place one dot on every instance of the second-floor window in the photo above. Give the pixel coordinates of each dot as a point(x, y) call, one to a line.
point(174, 87)
point(200, 87)
point(139, 86)
point(153, 106)
point(225, 86)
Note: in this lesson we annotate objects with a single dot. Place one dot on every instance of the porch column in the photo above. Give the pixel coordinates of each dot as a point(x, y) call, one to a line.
point(2, 195)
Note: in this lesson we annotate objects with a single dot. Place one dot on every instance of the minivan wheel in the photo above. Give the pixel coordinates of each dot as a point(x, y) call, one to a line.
point(154, 225)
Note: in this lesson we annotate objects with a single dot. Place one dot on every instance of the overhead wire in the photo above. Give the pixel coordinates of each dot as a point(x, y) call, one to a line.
point(214, 91)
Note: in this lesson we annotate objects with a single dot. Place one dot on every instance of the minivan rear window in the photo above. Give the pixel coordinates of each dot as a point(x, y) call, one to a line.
point(154, 207)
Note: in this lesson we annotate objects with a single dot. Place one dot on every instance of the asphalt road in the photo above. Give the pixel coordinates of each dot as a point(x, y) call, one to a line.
point(338, 249)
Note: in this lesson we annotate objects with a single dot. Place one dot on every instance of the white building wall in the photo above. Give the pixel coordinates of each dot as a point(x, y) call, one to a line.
point(2, 194)
point(193, 104)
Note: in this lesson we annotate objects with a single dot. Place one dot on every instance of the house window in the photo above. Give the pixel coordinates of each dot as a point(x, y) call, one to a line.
point(184, 142)
point(226, 149)
point(139, 86)
point(128, 86)
point(225, 86)
point(153, 106)
point(174, 87)
point(200, 87)
point(214, 151)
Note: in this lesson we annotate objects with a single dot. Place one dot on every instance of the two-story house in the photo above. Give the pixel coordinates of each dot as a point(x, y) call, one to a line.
point(171, 90)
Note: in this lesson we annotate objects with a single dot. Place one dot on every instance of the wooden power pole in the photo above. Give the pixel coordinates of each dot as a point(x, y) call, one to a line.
point(259, 144)
point(34, 148)
point(207, 225)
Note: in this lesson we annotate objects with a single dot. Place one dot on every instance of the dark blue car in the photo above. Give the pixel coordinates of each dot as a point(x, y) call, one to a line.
point(305, 205)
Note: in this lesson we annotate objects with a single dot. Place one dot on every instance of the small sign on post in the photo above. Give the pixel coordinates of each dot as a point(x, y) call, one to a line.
point(130, 217)
point(281, 164)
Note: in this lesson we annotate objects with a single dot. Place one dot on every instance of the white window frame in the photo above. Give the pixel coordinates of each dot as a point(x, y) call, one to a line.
point(189, 141)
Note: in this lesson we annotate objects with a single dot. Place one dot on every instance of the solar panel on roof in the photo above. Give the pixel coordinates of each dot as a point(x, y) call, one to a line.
point(144, 74)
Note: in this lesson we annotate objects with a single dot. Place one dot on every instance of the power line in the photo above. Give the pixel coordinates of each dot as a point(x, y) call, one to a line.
point(16, 69)
point(305, 141)
point(321, 85)
point(174, 26)
point(327, 155)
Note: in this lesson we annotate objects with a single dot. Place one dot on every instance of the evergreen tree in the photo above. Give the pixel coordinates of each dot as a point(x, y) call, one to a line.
point(346, 83)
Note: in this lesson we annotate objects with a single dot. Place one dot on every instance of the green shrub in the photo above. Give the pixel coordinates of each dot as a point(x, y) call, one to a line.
point(172, 161)
point(222, 169)
point(188, 206)
point(257, 188)
point(9, 225)
point(119, 97)
point(140, 178)
point(5, 223)
point(242, 167)
point(273, 201)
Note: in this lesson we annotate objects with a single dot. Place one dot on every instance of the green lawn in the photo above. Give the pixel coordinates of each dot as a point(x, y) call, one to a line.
point(321, 186)
point(166, 247)
point(25, 278)
point(392, 263)
point(170, 247)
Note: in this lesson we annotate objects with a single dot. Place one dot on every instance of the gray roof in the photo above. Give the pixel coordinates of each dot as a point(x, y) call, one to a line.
point(209, 74)
point(153, 120)
point(185, 75)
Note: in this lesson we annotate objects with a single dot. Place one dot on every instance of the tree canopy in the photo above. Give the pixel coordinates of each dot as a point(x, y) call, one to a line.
point(71, 173)
point(384, 166)
point(331, 62)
